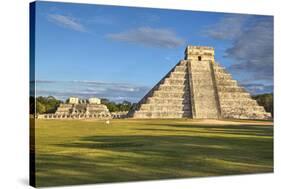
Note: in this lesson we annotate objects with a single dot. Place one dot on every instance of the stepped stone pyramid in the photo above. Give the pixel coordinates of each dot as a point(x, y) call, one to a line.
point(198, 87)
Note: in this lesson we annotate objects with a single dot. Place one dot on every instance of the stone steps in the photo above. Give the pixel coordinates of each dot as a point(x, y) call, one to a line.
point(205, 103)
point(167, 87)
point(167, 94)
point(234, 102)
point(247, 108)
point(164, 107)
point(227, 83)
point(180, 68)
point(175, 75)
point(230, 89)
point(169, 81)
point(162, 114)
point(236, 115)
point(168, 100)
point(223, 76)
point(231, 95)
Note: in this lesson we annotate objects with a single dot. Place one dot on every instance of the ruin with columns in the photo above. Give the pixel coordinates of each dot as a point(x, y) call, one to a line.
point(76, 108)
point(198, 87)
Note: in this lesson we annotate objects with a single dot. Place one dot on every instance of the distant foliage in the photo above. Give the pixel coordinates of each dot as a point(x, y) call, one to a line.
point(265, 100)
point(47, 104)
point(116, 107)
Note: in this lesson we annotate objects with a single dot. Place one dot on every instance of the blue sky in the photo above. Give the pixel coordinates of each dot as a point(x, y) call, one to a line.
point(121, 52)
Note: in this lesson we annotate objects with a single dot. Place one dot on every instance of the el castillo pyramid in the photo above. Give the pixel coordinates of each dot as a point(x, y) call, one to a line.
point(198, 87)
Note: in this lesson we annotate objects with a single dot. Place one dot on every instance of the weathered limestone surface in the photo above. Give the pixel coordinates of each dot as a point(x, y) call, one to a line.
point(82, 108)
point(198, 87)
point(203, 89)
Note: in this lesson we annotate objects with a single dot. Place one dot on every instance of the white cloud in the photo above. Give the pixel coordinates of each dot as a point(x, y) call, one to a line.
point(86, 89)
point(251, 46)
point(254, 88)
point(66, 22)
point(156, 37)
point(253, 51)
point(228, 28)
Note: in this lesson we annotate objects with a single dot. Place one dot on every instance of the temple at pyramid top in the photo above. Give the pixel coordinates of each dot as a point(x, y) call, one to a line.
point(200, 53)
point(198, 87)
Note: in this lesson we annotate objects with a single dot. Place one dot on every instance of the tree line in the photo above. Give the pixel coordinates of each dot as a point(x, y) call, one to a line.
point(44, 105)
point(50, 104)
point(265, 100)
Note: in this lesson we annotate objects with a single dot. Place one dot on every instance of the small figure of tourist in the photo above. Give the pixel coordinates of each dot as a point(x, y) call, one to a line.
point(107, 122)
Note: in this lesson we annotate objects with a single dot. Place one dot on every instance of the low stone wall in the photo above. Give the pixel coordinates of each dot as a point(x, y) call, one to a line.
point(113, 115)
point(74, 116)
point(119, 115)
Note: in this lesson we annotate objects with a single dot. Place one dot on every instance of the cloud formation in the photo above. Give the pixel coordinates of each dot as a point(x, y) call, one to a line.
point(251, 48)
point(254, 88)
point(228, 28)
point(85, 89)
point(253, 51)
point(66, 22)
point(154, 37)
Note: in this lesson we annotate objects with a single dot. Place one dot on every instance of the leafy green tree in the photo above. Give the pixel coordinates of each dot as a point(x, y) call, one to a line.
point(40, 108)
point(265, 100)
point(47, 104)
point(116, 107)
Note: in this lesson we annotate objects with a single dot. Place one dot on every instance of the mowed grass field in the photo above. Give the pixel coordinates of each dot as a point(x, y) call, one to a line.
point(72, 152)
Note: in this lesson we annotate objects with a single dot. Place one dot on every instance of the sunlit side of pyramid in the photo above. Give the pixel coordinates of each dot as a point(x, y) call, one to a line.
point(198, 87)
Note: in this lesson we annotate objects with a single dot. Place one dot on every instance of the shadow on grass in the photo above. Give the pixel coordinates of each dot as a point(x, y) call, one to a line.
point(250, 130)
point(147, 157)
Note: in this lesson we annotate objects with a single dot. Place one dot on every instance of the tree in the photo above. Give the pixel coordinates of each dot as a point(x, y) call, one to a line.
point(40, 108)
point(116, 107)
point(265, 100)
point(47, 104)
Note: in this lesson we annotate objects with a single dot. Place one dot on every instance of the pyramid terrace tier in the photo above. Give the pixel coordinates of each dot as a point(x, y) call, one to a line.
point(248, 108)
point(233, 95)
point(239, 102)
point(169, 94)
point(168, 87)
point(242, 114)
point(161, 114)
point(222, 89)
point(165, 107)
point(157, 100)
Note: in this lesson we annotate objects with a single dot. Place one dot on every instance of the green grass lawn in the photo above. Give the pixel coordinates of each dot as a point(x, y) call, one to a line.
point(82, 152)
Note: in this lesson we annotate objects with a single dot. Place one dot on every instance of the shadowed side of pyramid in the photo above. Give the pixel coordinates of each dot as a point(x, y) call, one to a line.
point(235, 101)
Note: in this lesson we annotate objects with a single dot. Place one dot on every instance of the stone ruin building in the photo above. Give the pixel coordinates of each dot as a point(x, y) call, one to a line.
point(76, 108)
point(82, 108)
point(198, 87)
